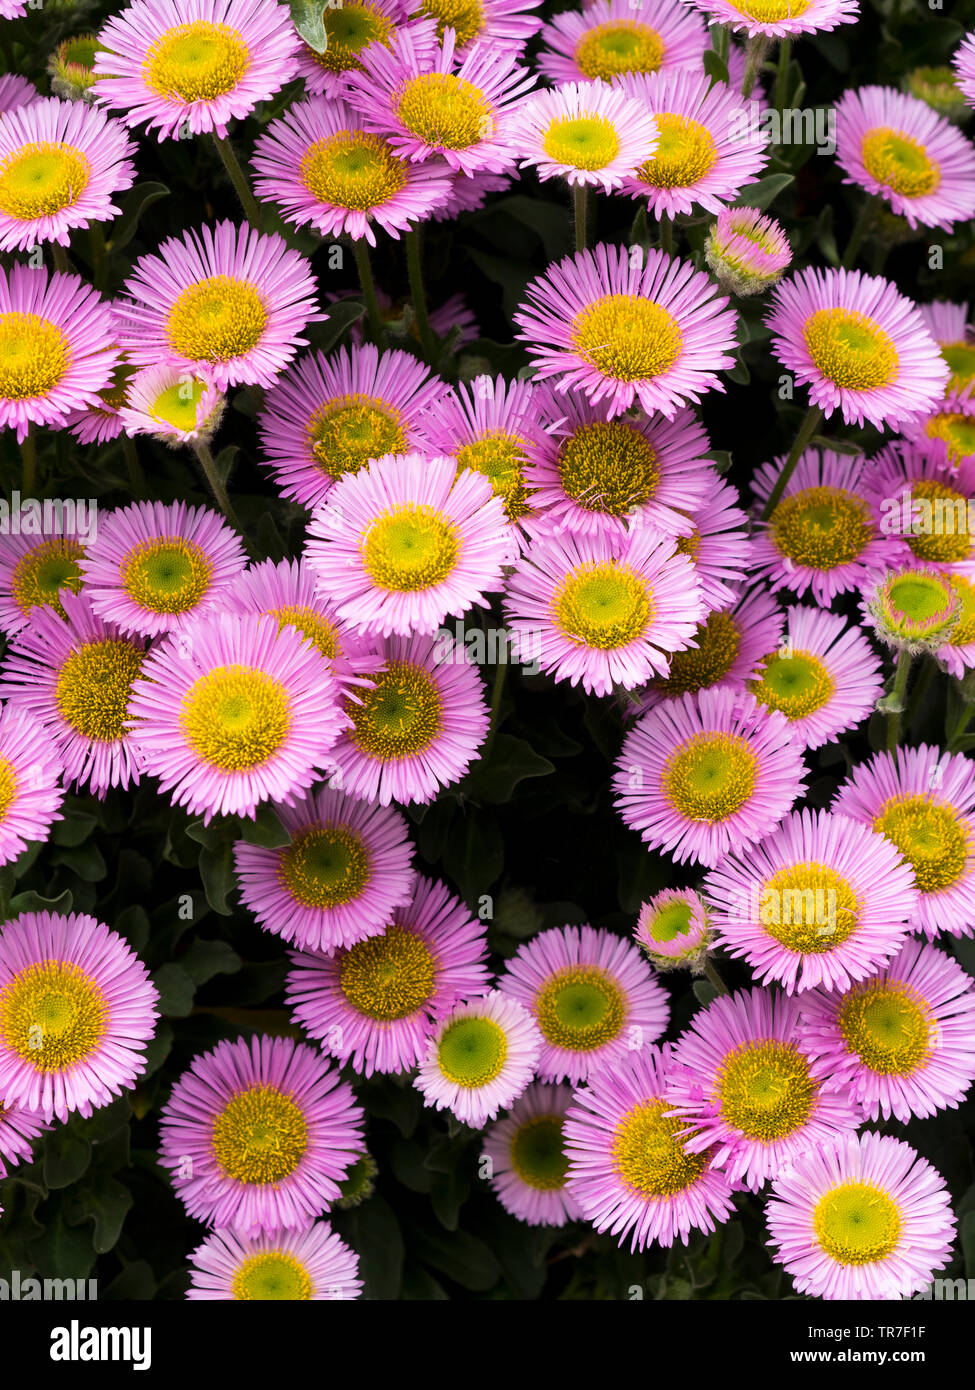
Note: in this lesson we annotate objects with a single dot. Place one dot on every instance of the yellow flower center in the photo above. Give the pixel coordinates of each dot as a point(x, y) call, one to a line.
point(850, 349)
point(166, 576)
point(857, 1223)
point(963, 632)
point(472, 1052)
point(348, 30)
point(684, 154)
point(388, 977)
point(500, 457)
point(961, 359)
point(718, 641)
point(352, 170)
point(821, 527)
point(272, 1274)
point(400, 716)
point(899, 162)
point(943, 511)
point(34, 356)
point(620, 46)
point(580, 1008)
point(94, 686)
point(795, 685)
point(445, 111)
point(710, 777)
point(465, 17)
point(888, 1026)
point(345, 433)
point(809, 907)
point(196, 62)
point(538, 1153)
point(411, 548)
point(40, 179)
point(312, 626)
point(52, 1015)
point(216, 320)
point(582, 142)
point(325, 866)
point(648, 1153)
point(765, 1090)
point(954, 427)
point(604, 606)
point(259, 1136)
point(627, 338)
point(934, 839)
point(8, 787)
point(236, 717)
point(44, 571)
point(609, 467)
point(770, 11)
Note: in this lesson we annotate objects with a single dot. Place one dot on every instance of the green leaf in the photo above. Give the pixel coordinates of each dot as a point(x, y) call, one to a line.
point(546, 219)
point(176, 990)
point(474, 853)
point(205, 959)
point(66, 1158)
point(76, 827)
point(511, 760)
point(105, 1202)
point(461, 1256)
point(373, 1232)
point(87, 861)
point(217, 876)
point(721, 459)
point(133, 205)
point(838, 446)
point(704, 991)
point(224, 462)
point(265, 829)
point(7, 880)
point(135, 1283)
point(714, 66)
point(309, 20)
point(33, 902)
point(341, 316)
point(760, 195)
point(447, 1196)
point(63, 1251)
point(133, 923)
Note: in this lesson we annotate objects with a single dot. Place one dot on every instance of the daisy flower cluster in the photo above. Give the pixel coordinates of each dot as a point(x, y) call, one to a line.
point(321, 502)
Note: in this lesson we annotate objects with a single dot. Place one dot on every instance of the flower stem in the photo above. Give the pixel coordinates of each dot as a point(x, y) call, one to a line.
point(28, 453)
point(858, 233)
point(60, 258)
point(368, 286)
point(666, 234)
point(239, 179)
point(580, 208)
point(414, 266)
point(202, 451)
point(895, 713)
point(782, 73)
point(714, 977)
point(809, 426)
point(137, 479)
point(755, 53)
point(721, 41)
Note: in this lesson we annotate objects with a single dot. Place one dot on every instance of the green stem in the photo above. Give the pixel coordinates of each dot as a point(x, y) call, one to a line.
point(202, 451)
point(497, 690)
point(721, 41)
point(859, 232)
point(928, 670)
point(137, 479)
point(782, 73)
point(368, 286)
point(714, 977)
point(580, 207)
point(809, 426)
point(666, 234)
point(414, 266)
point(28, 452)
point(755, 53)
point(895, 714)
point(60, 258)
point(239, 179)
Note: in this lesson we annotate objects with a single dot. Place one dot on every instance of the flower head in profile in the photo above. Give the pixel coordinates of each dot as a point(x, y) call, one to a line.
point(673, 930)
point(781, 19)
point(172, 405)
point(747, 252)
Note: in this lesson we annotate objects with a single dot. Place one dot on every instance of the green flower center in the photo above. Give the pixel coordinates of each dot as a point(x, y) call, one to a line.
point(40, 179)
point(718, 641)
point(710, 776)
point(216, 320)
point(796, 685)
point(472, 1052)
point(684, 154)
point(236, 717)
point(94, 687)
point(52, 1015)
point(809, 908)
point(608, 467)
point(888, 1026)
point(623, 45)
point(931, 836)
point(857, 1223)
point(538, 1153)
point(196, 62)
point(325, 866)
point(352, 169)
point(899, 162)
point(649, 1155)
point(400, 716)
point(34, 356)
point(821, 527)
point(44, 571)
point(850, 349)
point(580, 1009)
point(166, 576)
point(412, 548)
point(272, 1275)
point(445, 111)
point(604, 606)
point(582, 142)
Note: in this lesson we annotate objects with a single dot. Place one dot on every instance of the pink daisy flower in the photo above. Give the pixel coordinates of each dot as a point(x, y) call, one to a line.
point(154, 567)
point(781, 19)
point(963, 63)
point(328, 416)
point(291, 1265)
point(528, 1162)
point(950, 328)
point(15, 91)
point(492, 427)
point(77, 1009)
point(825, 677)
point(479, 1059)
point(823, 537)
point(897, 148)
point(755, 1097)
point(957, 653)
point(53, 335)
point(228, 303)
point(866, 1219)
point(408, 540)
point(924, 502)
point(321, 166)
point(730, 646)
point(822, 901)
point(377, 1001)
point(13, 9)
point(595, 476)
point(258, 1134)
point(911, 607)
point(902, 1042)
point(18, 1130)
point(61, 163)
point(952, 423)
point(718, 545)
point(923, 801)
point(289, 592)
point(30, 792)
point(234, 711)
point(707, 773)
point(75, 675)
point(859, 345)
point(100, 422)
point(33, 571)
point(347, 865)
point(747, 252)
point(171, 405)
point(701, 157)
point(603, 611)
point(349, 28)
point(629, 1168)
point(592, 996)
point(608, 38)
point(419, 727)
point(197, 64)
point(586, 133)
point(411, 95)
point(498, 23)
point(651, 332)
point(674, 931)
